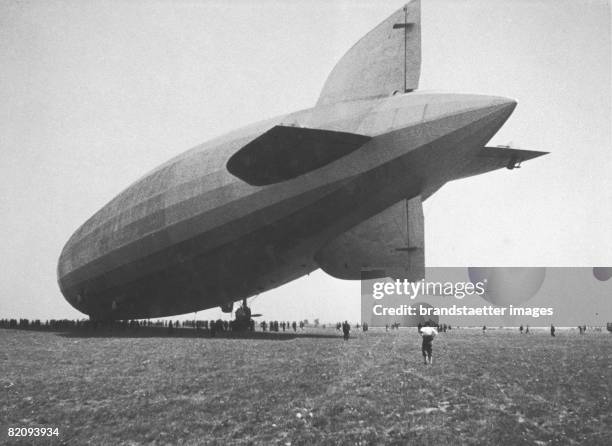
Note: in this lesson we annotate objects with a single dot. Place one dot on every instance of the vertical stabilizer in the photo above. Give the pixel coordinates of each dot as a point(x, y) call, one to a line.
point(389, 244)
point(385, 60)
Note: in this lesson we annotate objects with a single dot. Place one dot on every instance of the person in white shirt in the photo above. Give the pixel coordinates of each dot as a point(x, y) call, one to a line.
point(428, 334)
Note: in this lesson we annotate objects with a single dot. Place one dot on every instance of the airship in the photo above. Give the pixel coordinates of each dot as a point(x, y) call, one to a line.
point(338, 186)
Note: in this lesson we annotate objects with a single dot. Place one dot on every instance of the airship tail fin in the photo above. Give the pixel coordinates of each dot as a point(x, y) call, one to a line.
point(384, 61)
point(283, 153)
point(492, 158)
point(390, 244)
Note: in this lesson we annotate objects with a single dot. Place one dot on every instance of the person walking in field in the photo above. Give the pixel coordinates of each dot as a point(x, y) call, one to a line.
point(428, 334)
point(552, 330)
point(346, 329)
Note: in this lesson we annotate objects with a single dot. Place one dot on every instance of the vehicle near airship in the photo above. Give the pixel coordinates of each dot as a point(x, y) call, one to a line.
point(338, 186)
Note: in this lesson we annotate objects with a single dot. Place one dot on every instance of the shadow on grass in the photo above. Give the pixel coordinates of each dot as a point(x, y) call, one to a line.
point(144, 333)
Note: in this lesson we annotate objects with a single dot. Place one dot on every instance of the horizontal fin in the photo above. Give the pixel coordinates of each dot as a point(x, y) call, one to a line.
point(493, 158)
point(512, 157)
point(283, 153)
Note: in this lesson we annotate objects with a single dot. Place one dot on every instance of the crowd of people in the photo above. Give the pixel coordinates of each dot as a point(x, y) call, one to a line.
point(274, 325)
point(428, 330)
point(212, 326)
point(166, 326)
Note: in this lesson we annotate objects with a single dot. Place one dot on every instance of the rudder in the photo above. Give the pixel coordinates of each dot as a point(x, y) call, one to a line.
point(385, 60)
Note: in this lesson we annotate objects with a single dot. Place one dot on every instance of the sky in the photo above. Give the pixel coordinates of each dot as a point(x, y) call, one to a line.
point(95, 94)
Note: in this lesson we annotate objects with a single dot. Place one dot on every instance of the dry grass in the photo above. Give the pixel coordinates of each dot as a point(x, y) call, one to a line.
point(501, 388)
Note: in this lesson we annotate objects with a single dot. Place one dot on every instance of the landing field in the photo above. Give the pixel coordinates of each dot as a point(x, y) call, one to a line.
point(500, 388)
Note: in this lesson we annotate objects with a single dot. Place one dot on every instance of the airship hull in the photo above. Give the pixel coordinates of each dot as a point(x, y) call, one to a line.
point(338, 186)
point(190, 235)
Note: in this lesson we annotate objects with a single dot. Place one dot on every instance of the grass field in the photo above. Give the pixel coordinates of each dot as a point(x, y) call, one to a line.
point(495, 389)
